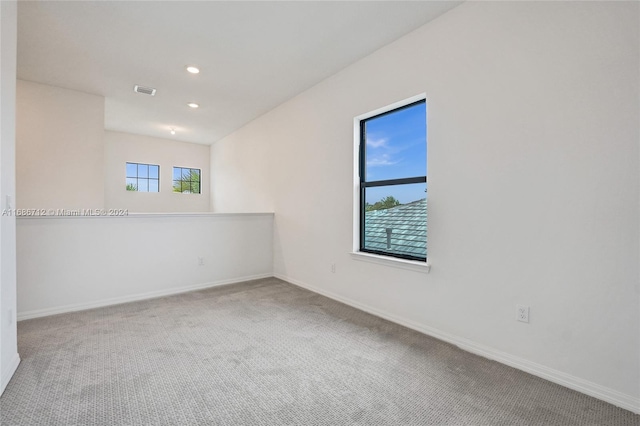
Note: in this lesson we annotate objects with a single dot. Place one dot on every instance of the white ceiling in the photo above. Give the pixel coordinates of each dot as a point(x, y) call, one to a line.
point(253, 55)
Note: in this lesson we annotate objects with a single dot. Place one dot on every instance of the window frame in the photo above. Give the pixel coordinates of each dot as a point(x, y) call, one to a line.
point(191, 169)
point(360, 184)
point(137, 177)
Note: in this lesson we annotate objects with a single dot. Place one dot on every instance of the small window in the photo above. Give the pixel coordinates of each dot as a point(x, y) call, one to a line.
point(186, 180)
point(392, 178)
point(143, 177)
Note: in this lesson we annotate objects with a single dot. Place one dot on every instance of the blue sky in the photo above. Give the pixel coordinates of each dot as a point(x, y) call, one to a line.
point(396, 148)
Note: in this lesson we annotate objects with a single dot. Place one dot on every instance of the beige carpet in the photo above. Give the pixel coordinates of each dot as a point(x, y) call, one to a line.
point(267, 353)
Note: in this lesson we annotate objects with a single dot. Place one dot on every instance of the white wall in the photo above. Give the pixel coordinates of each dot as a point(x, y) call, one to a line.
point(533, 186)
point(60, 154)
point(71, 263)
point(66, 160)
point(9, 358)
point(242, 167)
point(121, 148)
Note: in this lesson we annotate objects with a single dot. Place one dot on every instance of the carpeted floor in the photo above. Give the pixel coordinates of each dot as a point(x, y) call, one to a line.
point(267, 352)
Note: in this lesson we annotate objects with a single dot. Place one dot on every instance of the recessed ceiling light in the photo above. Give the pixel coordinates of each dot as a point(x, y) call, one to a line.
point(193, 70)
point(193, 105)
point(173, 131)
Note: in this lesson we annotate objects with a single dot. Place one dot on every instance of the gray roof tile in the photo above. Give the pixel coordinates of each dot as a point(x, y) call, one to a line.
point(408, 229)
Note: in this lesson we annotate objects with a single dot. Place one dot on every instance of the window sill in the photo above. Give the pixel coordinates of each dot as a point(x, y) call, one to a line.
point(411, 265)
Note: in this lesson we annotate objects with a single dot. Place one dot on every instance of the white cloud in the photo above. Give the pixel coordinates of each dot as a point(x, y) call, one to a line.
point(382, 160)
point(377, 143)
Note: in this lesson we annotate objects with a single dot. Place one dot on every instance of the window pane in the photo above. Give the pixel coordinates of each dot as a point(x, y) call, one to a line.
point(138, 177)
point(154, 185)
point(143, 170)
point(396, 145)
point(396, 219)
point(143, 185)
point(177, 173)
point(186, 180)
point(132, 170)
point(132, 184)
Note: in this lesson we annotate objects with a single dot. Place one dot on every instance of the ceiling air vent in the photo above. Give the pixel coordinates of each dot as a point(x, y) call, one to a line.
point(144, 90)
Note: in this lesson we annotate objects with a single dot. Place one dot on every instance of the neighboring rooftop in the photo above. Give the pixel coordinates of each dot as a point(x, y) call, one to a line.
point(398, 230)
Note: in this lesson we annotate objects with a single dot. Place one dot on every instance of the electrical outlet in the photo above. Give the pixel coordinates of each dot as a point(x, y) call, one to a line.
point(200, 261)
point(333, 268)
point(522, 313)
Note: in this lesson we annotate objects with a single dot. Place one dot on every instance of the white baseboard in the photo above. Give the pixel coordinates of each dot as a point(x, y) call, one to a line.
point(37, 313)
point(586, 387)
point(8, 373)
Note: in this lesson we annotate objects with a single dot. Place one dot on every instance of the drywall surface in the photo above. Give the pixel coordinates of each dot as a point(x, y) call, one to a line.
point(59, 148)
point(533, 186)
point(9, 358)
point(72, 263)
point(121, 148)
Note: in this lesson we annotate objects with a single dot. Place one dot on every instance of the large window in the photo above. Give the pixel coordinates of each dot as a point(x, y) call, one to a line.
point(143, 177)
point(186, 180)
point(393, 182)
